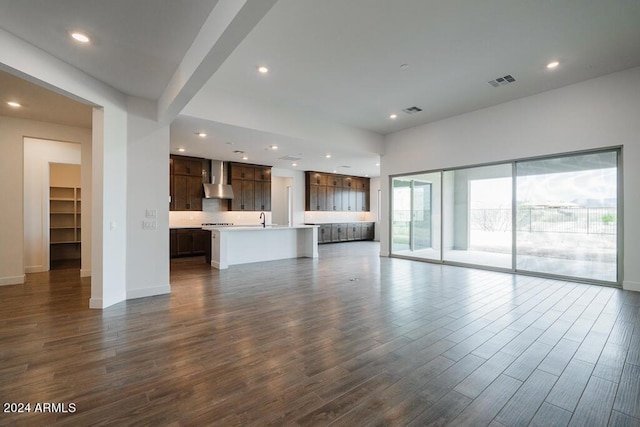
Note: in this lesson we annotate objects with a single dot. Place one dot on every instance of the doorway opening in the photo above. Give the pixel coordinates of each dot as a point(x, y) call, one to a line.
point(65, 231)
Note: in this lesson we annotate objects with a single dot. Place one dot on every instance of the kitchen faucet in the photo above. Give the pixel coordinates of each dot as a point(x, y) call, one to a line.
point(263, 217)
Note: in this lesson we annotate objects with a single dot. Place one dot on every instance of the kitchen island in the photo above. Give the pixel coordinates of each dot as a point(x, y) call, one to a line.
point(245, 244)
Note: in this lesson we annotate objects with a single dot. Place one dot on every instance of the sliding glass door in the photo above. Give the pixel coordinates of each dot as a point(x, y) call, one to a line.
point(477, 216)
point(567, 216)
point(555, 216)
point(415, 225)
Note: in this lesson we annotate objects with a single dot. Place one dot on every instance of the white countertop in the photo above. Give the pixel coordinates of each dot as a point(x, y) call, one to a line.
point(338, 222)
point(255, 227)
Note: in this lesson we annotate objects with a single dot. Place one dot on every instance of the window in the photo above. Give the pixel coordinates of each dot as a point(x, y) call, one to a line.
point(477, 216)
point(555, 216)
point(567, 216)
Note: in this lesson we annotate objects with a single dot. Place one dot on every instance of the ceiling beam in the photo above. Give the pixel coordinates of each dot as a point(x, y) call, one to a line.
point(228, 24)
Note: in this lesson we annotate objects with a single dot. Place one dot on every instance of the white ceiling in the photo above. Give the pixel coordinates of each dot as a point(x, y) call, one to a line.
point(339, 61)
point(223, 142)
point(40, 104)
point(135, 47)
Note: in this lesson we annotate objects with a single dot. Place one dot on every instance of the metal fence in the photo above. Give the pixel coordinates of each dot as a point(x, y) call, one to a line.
point(548, 220)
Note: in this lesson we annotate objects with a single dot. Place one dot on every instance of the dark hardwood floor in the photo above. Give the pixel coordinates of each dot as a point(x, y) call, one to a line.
point(348, 339)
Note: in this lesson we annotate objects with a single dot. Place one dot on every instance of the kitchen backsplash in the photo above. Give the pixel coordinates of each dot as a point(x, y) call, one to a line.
point(213, 213)
point(320, 217)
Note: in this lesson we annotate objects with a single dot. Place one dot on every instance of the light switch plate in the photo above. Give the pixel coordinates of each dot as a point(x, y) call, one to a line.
point(149, 225)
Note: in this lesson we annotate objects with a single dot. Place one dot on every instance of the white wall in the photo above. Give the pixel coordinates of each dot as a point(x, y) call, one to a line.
point(12, 133)
point(279, 204)
point(374, 187)
point(109, 161)
point(597, 113)
point(297, 182)
point(147, 190)
point(38, 154)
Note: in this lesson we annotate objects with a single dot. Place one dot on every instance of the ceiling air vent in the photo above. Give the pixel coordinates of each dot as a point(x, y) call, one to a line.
point(412, 110)
point(501, 81)
point(290, 158)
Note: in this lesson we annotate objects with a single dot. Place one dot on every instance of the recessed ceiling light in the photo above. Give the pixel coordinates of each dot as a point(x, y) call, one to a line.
point(245, 158)
point(263, 70)
point(393, 116)
point(294, 164)
point(274, 147)
point(552, 65)
point(328, 156)
point(80, 37)
point(377, 164)
point(14, 104)
point(335, 171)
point(201, 134)
point(181, 150)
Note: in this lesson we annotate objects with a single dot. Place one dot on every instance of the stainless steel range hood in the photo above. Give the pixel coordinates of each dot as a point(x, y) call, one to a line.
point(218, 189)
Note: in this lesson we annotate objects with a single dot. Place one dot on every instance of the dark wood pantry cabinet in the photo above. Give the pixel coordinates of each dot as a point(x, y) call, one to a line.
point(333, 192)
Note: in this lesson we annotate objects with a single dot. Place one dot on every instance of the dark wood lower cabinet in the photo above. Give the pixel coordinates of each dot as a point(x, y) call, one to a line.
point(345, 232)
point(324, 233)
point(368, 231)
point(354, 231)
point(185, 242)
point(339, 232)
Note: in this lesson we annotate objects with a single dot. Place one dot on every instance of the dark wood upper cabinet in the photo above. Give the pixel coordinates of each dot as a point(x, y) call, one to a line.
point(262, 173)
point(187, 166)
point(332, 192)
point(186, 175)
point(242, 171)
point(243, 195)
point(262, 196)
point(251, 187)
point(316, 178)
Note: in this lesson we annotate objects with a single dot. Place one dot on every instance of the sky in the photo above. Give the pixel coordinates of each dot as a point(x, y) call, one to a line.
point(565, 188)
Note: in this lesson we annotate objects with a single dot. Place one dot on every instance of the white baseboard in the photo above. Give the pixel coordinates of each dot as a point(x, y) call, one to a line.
point(85, 272)
point(35, 269)
point(628, 285)
point(12, 280)
point(149, 292)
point(101, 303)
point(216, 264)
